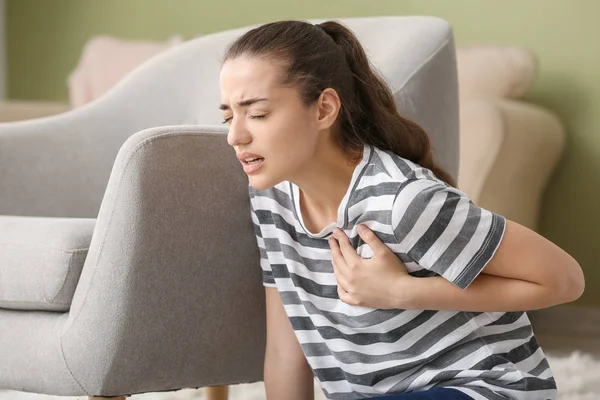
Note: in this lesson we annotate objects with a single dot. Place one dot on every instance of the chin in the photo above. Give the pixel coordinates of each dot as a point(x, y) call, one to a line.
point(261, 183)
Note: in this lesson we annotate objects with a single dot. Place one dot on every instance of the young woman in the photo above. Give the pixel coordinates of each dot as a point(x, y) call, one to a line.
point(382, 278)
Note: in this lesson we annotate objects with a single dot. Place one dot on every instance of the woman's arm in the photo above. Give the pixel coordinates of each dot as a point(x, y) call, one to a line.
point(287, 373)
point(527, 272)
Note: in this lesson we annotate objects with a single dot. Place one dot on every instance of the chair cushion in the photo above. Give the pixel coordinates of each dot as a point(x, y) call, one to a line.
point(41, 260)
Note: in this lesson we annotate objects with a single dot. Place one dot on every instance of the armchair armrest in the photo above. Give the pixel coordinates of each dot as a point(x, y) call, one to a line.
point(172, 275)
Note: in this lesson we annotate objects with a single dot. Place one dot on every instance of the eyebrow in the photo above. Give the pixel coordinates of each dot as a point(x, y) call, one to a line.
point(243, 103)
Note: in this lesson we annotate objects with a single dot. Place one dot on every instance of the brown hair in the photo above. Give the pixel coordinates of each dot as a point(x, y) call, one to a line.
point(329, 55)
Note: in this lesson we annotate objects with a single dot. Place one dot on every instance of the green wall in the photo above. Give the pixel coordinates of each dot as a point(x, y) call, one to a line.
point(45, 39)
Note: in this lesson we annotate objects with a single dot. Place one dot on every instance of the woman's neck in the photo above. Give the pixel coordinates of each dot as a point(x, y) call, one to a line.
point(323, 185)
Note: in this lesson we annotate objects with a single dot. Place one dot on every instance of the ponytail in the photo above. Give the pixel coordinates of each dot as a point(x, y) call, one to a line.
point(376, 119)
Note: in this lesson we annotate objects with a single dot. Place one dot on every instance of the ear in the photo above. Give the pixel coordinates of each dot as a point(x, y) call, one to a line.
point(328, 108)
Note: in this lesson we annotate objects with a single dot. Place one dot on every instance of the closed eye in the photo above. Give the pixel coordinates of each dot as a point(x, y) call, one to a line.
point(228, 120)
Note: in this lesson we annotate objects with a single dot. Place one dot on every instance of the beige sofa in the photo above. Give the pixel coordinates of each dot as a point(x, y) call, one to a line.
point(509, 148)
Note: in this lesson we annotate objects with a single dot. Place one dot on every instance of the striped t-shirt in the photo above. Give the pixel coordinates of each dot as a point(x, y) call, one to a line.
point(357, 352)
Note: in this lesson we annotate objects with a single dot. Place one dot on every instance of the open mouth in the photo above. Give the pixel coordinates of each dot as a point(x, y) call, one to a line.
point(252, 165)
point(252, 161)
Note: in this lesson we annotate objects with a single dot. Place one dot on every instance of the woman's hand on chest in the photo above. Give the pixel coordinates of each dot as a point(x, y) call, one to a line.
point(369, 282)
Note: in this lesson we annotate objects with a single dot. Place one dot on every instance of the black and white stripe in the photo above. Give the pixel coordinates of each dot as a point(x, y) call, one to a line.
point(358, 352)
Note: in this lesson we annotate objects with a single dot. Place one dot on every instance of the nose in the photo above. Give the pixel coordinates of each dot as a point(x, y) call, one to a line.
point(237, 135)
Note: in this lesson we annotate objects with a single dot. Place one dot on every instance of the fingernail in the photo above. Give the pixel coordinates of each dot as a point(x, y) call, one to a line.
point(361, 229)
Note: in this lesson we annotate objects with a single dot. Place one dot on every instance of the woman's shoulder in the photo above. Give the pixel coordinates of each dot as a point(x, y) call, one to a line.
point(399, 169)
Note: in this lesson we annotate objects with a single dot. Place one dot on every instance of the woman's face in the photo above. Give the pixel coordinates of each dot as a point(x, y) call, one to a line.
point(270, 128)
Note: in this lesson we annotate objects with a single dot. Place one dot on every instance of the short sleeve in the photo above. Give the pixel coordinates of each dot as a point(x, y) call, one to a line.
point(442, 230)
point(268, 280)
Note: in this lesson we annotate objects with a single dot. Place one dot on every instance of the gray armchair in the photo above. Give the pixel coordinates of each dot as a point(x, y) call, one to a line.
point(128, 262)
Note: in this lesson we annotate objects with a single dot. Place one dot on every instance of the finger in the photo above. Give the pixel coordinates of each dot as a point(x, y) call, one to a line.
point(372, 240)
point(341, 280)
point(346, 248)
point(337, 259)
point(336, 254)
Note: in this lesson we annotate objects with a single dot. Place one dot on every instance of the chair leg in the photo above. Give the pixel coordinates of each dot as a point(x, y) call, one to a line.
point(217, 392)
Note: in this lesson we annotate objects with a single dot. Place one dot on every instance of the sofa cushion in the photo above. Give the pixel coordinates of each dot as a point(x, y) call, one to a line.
point(41, 260)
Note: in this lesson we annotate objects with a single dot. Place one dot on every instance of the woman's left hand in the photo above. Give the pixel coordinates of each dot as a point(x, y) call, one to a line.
point(372, 282)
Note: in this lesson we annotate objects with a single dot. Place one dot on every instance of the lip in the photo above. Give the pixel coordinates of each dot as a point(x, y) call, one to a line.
point(242, 156)
point(250, 168)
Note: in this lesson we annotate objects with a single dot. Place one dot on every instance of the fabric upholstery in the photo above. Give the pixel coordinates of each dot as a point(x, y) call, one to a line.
point(170, 294)
point(487, 71)
point(31, 357)
point(41, 260)
point(510, 149)
point(173, 268)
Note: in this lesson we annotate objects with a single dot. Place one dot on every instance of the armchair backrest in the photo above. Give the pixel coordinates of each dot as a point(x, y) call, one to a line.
point(64, 173)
